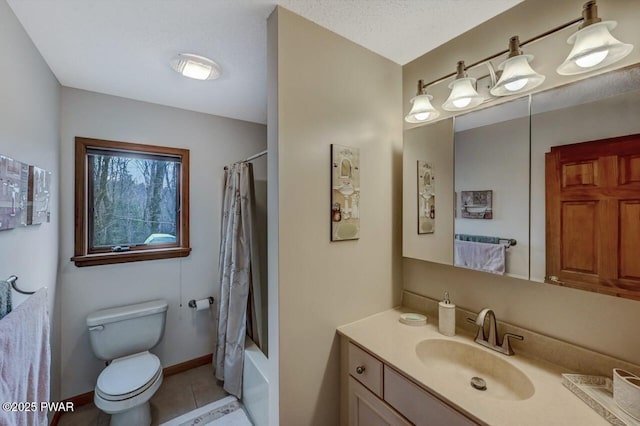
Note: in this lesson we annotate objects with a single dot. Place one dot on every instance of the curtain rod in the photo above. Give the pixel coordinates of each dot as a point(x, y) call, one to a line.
point(258, 155)
point(524, 43)
point(253, 157)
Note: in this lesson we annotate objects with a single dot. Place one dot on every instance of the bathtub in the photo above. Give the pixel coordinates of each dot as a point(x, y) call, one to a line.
point(255, 384)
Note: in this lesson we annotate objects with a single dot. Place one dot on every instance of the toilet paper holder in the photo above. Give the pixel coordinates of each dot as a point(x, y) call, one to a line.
point(192, 302)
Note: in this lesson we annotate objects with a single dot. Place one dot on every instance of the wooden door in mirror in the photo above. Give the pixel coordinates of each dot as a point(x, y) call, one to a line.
point(593, 216)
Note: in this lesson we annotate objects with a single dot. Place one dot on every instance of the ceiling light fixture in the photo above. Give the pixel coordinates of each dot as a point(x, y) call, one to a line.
point(517, 75)
point(195, 66)
point(463, 93)
point(421, 110)
point(593, 45)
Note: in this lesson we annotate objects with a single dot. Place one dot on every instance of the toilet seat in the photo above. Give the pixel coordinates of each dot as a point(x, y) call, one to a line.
point(129, 376)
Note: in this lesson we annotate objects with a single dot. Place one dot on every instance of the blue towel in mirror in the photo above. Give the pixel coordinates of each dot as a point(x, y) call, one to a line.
point(478, 239)
point(5, 298)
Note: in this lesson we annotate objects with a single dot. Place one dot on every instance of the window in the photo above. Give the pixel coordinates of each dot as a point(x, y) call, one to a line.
point(132, 202)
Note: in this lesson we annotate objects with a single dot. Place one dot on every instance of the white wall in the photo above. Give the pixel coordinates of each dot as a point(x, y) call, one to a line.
point(330, 90)
point(214, 142)
point(29, 112)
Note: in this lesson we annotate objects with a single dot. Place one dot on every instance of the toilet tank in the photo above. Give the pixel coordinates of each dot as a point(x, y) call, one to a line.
point(126, 330)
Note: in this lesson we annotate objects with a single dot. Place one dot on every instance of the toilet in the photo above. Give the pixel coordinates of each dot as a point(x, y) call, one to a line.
point(123, 337)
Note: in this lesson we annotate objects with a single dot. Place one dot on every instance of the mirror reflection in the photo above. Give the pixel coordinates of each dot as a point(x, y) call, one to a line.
point(585, 193)
point(492, 189)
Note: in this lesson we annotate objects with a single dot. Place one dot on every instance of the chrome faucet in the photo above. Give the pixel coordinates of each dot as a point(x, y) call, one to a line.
point(491, 341)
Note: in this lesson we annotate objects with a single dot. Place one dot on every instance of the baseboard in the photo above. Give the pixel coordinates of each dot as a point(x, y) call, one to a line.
point(86, 398)
point(187, 365)
point(77, 400)
point(56, 418)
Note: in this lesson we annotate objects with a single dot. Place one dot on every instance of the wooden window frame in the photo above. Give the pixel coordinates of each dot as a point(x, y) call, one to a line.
point(85, 255)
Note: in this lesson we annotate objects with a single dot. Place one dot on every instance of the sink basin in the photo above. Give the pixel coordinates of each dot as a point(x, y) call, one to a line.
point(455, 363)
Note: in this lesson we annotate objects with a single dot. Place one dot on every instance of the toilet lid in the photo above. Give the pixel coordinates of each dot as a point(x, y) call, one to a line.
point(125, 375)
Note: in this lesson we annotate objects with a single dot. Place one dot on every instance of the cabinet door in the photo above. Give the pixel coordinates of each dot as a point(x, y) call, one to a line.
point(417, 405)
point(365, 409)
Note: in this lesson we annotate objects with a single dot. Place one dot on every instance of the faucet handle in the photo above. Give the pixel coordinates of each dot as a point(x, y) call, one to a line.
point(506, 345)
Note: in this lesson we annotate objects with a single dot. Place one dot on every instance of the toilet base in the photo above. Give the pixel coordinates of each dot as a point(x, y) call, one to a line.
point(137, 416)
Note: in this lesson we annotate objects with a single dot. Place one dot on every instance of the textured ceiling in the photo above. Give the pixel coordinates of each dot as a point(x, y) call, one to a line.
point(122, 47)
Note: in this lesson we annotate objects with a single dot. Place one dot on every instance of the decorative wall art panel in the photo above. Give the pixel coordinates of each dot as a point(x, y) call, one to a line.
point(13, 179)
point(426, 198)
point(38, 196)
point(476, 204)
point(345, 193)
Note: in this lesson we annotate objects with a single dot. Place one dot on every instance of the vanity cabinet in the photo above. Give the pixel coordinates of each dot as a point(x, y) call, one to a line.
point(365, 409)
point(378, 395)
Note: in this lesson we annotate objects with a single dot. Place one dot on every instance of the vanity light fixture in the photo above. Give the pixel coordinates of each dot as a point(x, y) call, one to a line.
point(593, 48)
point(421, 109)
point(463, 93)
point(195, 66)
point(593, 45)
point(517, 75)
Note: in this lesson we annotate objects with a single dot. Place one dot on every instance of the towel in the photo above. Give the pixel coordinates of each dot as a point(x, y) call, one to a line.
point(478, 238)
point(25, 360)
point(5, 298)
point(480, 256)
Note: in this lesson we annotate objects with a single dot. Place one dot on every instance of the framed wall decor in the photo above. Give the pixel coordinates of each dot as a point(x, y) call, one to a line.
point(476, 204)
point(38, 196)
point(345, 193)
point(426, 198)
point(13, 177)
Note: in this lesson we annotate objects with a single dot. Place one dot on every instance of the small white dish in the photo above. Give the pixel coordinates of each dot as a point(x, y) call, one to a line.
point(413, 319)
point(626, 392)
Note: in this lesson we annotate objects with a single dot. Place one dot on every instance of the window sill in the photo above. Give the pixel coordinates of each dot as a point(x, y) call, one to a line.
point(130, 256)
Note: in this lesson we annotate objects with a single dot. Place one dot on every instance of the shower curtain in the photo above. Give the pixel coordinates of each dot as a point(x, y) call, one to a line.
point(239, 276)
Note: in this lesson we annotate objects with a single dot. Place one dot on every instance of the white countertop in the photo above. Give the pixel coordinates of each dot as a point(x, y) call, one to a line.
point(551, 404)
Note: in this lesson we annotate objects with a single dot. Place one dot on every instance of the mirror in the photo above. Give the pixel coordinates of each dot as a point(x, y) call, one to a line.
point(497, 193)
point(492, 189)
point(427, 192)
point(585, 219)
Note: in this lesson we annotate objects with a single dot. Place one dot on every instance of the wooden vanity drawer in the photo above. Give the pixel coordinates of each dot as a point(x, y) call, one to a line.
point(366, 369)
point(418, 405)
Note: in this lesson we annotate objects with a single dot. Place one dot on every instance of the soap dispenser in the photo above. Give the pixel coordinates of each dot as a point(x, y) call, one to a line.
point(447, 316)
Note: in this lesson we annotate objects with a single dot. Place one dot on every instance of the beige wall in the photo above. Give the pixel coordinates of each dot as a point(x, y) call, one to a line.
point(29, 111)
point(603, 323)
point(213, 142)
point(273, 218)
point(331, 90)
point(528, 19)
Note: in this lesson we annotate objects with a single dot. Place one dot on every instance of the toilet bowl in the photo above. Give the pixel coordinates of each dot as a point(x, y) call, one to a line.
point(125, 387)
point(124, 335)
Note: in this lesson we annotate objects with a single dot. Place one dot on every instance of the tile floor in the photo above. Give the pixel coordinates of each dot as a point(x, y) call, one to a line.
point(178, 394)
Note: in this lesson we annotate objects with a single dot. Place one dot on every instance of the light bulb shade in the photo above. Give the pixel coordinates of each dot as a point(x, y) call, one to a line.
point(463, 95)
point(593, 47)
point(421, 110)
point(517, 77)
point(195, 66)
